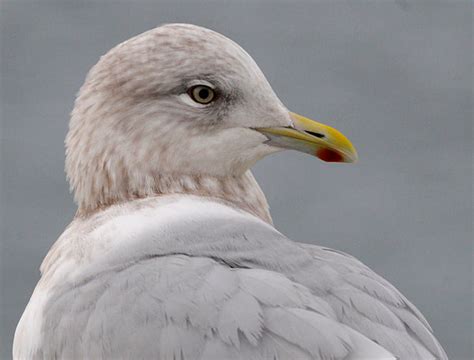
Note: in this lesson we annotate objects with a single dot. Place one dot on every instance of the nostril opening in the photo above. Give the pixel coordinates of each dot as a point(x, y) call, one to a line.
point(318, 135)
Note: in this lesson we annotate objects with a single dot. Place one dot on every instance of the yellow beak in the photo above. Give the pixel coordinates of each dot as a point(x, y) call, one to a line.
point(311, 137)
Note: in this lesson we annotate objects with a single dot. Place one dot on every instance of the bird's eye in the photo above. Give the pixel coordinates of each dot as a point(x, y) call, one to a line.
point(201, 94)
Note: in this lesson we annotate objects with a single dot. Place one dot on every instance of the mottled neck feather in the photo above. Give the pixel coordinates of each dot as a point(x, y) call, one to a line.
point(242, 192)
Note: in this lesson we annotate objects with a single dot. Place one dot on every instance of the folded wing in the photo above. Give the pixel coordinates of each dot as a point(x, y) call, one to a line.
point(183, 307)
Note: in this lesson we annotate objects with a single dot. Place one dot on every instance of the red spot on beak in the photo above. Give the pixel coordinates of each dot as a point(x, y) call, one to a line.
point(329, 155)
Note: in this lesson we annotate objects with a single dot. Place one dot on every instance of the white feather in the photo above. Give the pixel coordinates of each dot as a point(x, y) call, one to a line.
point(202, 277)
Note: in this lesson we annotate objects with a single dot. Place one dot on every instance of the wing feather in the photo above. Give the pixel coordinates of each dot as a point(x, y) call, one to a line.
point(182, 307)
point(240, 314)
point(200, 280)
point(371, 305)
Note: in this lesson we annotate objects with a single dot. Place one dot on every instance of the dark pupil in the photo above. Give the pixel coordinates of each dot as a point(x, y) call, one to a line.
point(203, 94)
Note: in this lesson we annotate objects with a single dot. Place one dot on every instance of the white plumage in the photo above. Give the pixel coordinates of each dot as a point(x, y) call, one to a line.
point(190, 266)
point(198, 278)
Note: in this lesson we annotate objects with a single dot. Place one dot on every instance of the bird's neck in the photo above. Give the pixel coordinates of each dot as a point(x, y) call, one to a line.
point(242, 192)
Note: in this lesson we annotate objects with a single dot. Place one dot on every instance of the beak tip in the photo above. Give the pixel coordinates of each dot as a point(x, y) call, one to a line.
point(353, 158)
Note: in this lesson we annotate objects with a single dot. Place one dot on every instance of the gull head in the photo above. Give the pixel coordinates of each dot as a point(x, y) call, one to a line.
point(180, 100)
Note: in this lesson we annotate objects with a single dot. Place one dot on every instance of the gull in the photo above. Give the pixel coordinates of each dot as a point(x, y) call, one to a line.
point(172, 253)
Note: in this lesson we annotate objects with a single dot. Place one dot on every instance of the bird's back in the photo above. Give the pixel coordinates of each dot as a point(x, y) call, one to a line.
point(182, 277)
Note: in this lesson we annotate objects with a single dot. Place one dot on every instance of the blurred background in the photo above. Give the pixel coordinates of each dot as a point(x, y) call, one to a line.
point(395, 76)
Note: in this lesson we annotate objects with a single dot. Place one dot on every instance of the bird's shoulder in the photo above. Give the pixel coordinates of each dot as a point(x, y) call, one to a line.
point(222, 279)
point(191, 307)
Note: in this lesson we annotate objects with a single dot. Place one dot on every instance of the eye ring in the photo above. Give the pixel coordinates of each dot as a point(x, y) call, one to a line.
point(202, 94)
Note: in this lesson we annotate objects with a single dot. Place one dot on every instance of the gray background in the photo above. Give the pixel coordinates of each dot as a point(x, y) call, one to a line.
point(394, 76)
